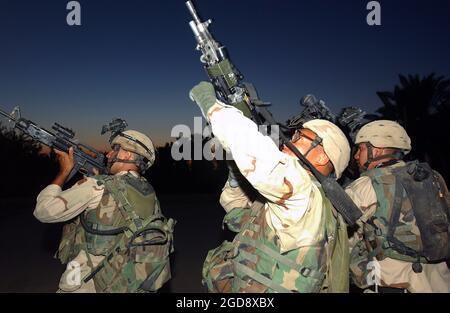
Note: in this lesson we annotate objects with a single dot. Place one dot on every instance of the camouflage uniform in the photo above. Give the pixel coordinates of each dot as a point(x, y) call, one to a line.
point(285, 238)
point(119, 232)
point(374, 193)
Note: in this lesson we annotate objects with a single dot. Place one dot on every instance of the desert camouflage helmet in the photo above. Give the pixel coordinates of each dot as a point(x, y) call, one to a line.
point(334, 142)
point(134, 141)
point(384, 134)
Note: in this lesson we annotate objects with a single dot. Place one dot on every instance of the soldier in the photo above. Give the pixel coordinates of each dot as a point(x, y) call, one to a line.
point(290, 239)
point(402, 241)
point(119, 240)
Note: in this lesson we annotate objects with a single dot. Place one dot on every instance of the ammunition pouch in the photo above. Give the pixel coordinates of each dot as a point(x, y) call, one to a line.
point(218, 271)
point(68, 248)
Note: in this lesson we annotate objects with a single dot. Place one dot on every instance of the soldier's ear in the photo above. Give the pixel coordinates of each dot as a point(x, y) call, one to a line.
point(377, 152)
point(130, 156)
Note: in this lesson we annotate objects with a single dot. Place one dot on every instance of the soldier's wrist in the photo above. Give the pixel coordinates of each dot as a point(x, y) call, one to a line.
point(60, 179)
point(64, 172)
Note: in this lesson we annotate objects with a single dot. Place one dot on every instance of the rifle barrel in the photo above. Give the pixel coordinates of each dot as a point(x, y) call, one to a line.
point(193, 12)
point(7, 115)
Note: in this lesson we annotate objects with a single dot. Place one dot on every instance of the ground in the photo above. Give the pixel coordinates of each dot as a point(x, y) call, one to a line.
point(28, 246)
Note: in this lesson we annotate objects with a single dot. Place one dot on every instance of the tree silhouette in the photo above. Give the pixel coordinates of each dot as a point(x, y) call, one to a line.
point(186, 176)
point(25, 171)
point(422, 106)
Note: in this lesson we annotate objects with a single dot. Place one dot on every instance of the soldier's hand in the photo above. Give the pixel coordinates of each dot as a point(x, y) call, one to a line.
point(204, 95)
point(66, 161)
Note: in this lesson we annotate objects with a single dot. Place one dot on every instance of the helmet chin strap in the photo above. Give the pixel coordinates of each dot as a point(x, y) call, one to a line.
point(139, 162)
point(371, 159)
point(314, 144)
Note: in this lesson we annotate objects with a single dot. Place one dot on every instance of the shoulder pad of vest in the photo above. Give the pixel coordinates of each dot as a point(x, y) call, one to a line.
point(138, 183)
point(415, 170)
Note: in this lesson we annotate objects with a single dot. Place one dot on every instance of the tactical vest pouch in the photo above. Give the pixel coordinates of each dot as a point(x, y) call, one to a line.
point(99, 238)
point(110, 278)
point(254, 269)
point(68, 249)
point(259, 266)
point(218, 269)
point(139, 263)
point(236, 218)
point(430, 208)
point(337, 278)
point(151, 250)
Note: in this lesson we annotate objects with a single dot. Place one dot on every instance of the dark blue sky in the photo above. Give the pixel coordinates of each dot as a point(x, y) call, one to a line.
point(135, 59)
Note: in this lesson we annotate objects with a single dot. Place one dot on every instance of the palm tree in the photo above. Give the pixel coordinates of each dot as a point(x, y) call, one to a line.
point(422, 106)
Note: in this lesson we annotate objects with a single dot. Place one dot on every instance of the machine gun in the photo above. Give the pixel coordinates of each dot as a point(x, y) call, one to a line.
point(86, 158)
point(225, 77)
point(228, 84)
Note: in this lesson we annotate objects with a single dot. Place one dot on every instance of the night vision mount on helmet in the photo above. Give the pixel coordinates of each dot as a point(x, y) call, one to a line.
point(116, 126)
point(132, 141)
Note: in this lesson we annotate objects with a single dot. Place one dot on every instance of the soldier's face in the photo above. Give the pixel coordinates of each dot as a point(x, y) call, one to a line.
point(121, 154)
point(379, 155)
point(361, 155)
point(302, 140)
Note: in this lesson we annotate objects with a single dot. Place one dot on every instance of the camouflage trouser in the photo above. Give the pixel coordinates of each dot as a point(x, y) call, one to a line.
point(218, 270)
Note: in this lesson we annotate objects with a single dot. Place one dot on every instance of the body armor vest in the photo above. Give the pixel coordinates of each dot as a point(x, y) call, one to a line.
point(128, 225)
point(109, 220)
point(253, 262)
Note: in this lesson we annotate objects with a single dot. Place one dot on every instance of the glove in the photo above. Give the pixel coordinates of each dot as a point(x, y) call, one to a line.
point(204, 95)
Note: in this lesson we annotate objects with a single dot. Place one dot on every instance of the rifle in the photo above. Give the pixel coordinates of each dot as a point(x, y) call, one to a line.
point(228, 84)
point(350, 118)
point(313, 109)
point(85, 157)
